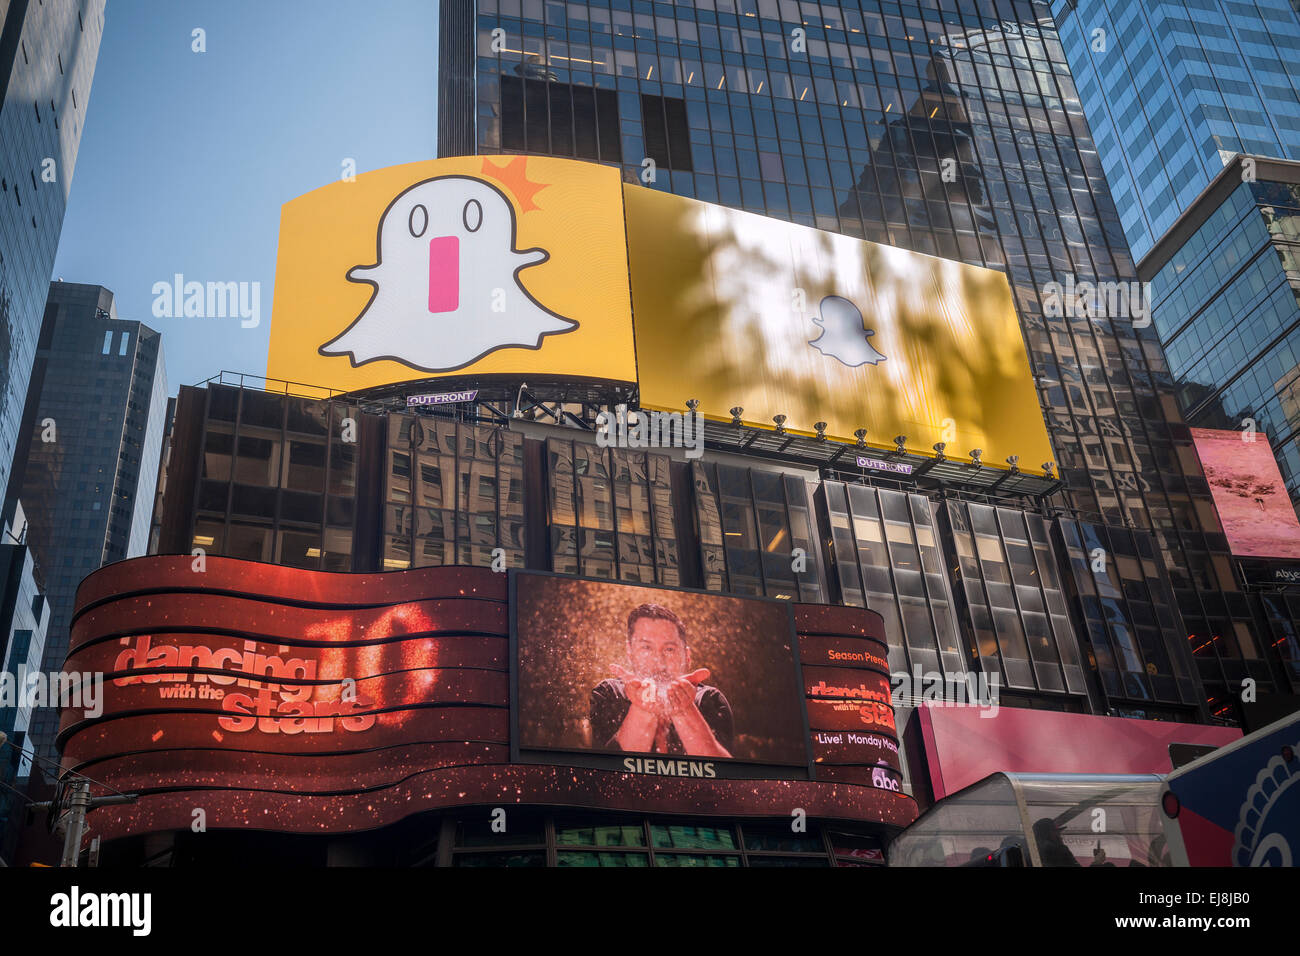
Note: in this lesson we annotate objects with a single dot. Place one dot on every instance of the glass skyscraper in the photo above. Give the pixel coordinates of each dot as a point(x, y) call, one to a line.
point(47, 62)
point(953, 129)
point(1173, 90)
point(1196, 111)
point(94, 429)
point(1224, 287)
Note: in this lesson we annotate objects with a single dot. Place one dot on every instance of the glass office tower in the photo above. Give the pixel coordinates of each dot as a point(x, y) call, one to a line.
point(1173, 90)
point(47, 62)
point(1225, 290)
point(949, 128)
point(92, 441)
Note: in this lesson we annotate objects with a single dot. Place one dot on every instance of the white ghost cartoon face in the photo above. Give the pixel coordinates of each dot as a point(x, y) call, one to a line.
point(843, 336)
point(447, 288)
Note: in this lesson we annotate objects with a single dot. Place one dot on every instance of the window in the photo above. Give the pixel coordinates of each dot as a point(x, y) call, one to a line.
point(108, 343)
point(538, 116)
point(455, 493)
point(126, 338)
point(611, 513)
point(751, 520)
point(667, 138)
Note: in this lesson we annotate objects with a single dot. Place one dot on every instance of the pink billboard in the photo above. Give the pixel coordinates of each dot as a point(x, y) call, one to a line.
point(964, 744)
point(1252, 502)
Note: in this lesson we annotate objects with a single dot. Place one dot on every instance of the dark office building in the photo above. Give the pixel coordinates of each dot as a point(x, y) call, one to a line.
point(952, 129)
point(47, 62)
point(93, 428)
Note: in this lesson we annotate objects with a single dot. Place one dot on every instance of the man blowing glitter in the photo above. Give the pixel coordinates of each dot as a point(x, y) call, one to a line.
point(659, 705)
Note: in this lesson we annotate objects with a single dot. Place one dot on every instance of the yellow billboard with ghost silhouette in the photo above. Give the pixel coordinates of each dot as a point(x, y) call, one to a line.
point(495, 264)
point(740, 310)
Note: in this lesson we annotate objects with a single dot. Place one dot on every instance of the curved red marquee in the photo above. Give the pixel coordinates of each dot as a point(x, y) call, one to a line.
point(306, 701)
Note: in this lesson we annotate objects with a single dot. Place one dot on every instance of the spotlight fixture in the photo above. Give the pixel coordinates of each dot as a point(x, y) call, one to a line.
point(901, 442)
point(780, 423)
point(975, 454)
point(821, 430)
point(735, 416)
point(519, 400)
point(861, 435)
point(693, 404)
point(938, 449)
point(1014, 462)
point(1047, 468)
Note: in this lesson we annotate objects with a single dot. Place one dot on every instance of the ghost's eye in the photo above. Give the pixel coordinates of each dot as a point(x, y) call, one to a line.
point(472, 215)
point(419, 221)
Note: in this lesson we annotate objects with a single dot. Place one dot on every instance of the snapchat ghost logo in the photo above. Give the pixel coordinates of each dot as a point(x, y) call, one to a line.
point(843, 335)
point(447, 288)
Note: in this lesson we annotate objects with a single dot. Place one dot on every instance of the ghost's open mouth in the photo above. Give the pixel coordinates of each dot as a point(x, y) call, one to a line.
point(444, 274)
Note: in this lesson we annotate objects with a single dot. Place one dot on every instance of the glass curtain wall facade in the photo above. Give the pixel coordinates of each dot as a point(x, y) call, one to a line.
point(277, 481)
point(1013, 602)
point(751, 520)
point(611, 513)
point(1172, 90)
point(24, 618)
point(1225, 290)
point(454, 495)
point(1226, 302)
point(965, 586)
point(48, 53)
point(948, 128)
point(888, 558)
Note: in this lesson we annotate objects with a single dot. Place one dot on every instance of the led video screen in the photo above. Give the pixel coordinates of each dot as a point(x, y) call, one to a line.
point(1252, 502)
point(612, 668)
point(747, 311)
point(307, 701)
point(489, 265)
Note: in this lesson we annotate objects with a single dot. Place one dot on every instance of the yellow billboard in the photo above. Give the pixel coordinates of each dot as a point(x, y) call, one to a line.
point(736, 309)
point(496, 264)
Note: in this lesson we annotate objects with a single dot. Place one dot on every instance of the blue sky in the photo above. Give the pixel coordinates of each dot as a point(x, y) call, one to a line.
point(186, 157)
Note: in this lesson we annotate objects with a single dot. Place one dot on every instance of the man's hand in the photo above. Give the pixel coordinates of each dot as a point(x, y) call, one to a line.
point(681, 692)
point(695, 733)
point(637, 732)
point(641, 691)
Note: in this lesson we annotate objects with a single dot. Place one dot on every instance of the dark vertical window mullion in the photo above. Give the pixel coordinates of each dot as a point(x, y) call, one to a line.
point(889, 558)
point(758, 534)
point(710, 471)
point(1047, 607)
point(607, 455)
point(982, 581)
point(789, 530)
point(1015, 595)
point(925, 579)
point(853, 540)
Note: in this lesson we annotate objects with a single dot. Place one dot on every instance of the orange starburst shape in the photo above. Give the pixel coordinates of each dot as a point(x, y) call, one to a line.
point(514, 177)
